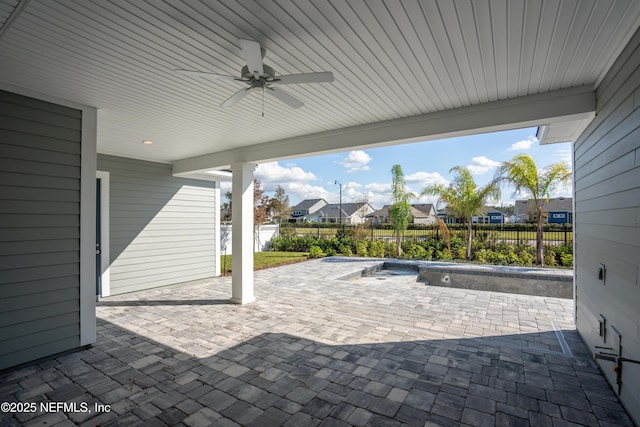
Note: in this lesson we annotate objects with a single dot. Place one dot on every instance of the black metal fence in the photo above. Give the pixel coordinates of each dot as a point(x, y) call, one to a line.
point(496, 233)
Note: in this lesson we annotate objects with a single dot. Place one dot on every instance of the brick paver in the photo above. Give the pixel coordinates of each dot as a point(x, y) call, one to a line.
point(317, 350)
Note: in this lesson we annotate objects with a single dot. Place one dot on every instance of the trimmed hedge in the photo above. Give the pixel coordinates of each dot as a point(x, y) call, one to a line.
point(482, 251)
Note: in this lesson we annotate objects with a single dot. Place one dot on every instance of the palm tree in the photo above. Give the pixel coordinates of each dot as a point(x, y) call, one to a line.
point(400, 212)
point(464, 198)
point(538, 184)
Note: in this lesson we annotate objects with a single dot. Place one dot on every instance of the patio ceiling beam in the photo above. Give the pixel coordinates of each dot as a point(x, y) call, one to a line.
point(558, 106)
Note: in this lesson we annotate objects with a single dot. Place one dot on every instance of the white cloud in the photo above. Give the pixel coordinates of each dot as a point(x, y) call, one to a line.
point(426, 178)
point(356, 161)
point(426, 199)
point(525, 144)
point(564, 155)
point(378, 200)
point(377, 194)
point(351, 190)
point(295, 180)
point(273, 174)
point(375, 187)
point(482, 164)
point(298, 191)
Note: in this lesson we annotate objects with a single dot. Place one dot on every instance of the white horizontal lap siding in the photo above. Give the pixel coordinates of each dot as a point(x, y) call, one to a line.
point(40, 168)
point(607, 221)
point(162, 228)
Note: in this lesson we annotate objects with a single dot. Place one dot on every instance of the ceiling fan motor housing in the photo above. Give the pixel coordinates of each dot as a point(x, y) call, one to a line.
point(268, 75)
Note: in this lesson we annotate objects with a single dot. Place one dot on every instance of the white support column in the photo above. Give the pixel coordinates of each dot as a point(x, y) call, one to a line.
point(242, 239)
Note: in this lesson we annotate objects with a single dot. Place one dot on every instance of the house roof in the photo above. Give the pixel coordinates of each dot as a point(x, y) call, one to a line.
point(333, 210)
point(492, 209)
point(455, 69)
point(555, 204)
point(384, 212)
point(424, 207)
point(307, 204)
point(486, 210)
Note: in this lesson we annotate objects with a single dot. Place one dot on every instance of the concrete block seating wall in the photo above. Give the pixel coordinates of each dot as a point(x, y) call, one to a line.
point(547, 282)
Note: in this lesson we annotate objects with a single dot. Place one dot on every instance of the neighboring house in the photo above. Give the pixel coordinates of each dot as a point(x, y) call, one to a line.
point(491, 216)
point(424, 213)
point(427, 215)
point(558, 210)
point(447, 217)
point(352, 213)
point(301, 211)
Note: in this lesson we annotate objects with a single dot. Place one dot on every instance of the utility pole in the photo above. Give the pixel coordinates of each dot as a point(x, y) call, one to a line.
point(340, 184)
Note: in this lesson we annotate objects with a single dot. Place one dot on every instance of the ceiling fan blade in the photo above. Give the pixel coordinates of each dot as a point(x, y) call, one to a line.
point(233, 100)
point(205, 74)
point(321, 77)
point(284, 97)
point(253, 56)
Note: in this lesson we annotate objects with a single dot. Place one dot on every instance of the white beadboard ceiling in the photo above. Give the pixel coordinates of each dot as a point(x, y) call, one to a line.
point(391, 59)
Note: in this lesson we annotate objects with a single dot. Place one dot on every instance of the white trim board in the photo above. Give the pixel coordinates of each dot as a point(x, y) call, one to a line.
point(105, 274)
point(574, 104)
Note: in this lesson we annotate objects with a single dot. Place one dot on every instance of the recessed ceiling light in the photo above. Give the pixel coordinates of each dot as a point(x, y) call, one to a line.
point(147, 142)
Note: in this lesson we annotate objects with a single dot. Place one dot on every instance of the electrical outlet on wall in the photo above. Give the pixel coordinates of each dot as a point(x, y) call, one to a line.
point(602, 272)
point(602, 328)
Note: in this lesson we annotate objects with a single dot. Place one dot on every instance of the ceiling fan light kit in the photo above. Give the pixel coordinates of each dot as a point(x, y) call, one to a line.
point(262, 77)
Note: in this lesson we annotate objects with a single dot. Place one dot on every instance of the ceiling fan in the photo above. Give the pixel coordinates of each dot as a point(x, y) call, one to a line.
point(262, 77)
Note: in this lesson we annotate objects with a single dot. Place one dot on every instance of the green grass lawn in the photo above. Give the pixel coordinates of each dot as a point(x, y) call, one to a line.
point(265, 260)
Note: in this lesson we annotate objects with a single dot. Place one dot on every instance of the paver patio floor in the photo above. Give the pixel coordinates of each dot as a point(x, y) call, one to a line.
point(317, 350)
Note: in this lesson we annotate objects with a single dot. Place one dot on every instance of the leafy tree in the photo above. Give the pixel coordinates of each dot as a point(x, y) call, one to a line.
point(464, 198)
point(400, 212)
point(226, 207)
point(261, 206)
point(538, 184)
point(261, 211)
point(360, 232)
point(507, 210)
point(279, 204)
point(261, 202)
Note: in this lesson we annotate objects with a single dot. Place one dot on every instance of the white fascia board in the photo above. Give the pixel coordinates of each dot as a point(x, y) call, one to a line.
point(201, 176)
point(564, 131)
point(577, 103)
point(105, 245)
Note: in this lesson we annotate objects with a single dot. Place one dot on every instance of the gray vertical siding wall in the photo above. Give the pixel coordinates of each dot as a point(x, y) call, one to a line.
point(607, 220)
point(40, 158)
point(161, 227)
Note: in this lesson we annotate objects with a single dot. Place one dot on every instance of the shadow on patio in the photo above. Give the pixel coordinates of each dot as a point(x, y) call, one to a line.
point(280, 379)
point(139, 303)
point(316, 350)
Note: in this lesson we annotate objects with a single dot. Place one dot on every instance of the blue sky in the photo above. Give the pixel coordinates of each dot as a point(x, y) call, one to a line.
point(368, 172)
